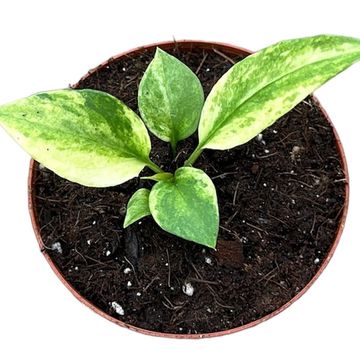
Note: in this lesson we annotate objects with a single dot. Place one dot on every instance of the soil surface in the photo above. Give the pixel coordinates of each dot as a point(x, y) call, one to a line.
point(280, 198)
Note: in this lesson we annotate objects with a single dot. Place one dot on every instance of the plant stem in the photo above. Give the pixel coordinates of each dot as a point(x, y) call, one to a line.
point(197, 152)
point(173, 147)
point(154, 167)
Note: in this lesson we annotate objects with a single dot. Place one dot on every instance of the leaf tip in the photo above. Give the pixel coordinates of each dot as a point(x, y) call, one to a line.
point(213, 240)
point(160, 52)
point(213, 245)
point(125, 223)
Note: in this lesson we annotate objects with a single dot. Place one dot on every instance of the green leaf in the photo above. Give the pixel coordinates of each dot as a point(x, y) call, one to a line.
point(85, 136)
point(254, 93)
point(170, 98)
point(164, 176)
point(187, 206)
point(138, 207)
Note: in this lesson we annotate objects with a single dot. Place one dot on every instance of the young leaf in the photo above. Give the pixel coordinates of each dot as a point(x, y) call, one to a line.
point(254, 93)
point(137, 207)
point(85, 136)
point(170, 98)
point(164, 176)
point(187, 206)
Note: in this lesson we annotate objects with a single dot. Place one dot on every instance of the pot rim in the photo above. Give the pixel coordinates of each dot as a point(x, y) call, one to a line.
point(31, 198)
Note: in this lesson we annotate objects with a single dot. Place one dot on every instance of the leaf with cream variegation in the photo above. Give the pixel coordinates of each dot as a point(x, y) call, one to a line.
point(258, 90)
point(186, 206)
point(85, 136)
point(170, 98)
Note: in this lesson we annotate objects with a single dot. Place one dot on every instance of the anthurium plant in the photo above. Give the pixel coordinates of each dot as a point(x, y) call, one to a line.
point(92, 138)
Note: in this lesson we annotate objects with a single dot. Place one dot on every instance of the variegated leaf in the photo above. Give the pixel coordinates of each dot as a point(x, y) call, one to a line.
point(138, 207)
point(186, 206)
point(85, 136)
point(254, 93)
point(170, 98)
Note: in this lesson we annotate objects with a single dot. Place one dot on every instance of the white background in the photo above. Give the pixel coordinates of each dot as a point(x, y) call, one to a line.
point(49, 44)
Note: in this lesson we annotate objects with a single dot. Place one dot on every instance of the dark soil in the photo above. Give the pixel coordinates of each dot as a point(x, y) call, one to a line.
point(280, 199)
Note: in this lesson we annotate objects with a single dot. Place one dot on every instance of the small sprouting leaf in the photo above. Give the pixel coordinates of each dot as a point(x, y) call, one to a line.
point(85, 136)
point(164, 176)
point(170, 98)
point(187, 206)
point(258, 90)
point(137, 207)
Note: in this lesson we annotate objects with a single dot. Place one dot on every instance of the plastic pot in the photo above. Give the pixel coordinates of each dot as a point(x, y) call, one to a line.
point(186, 44)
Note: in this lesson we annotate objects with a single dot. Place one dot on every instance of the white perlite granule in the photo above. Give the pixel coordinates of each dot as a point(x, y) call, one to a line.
point(117, 308)
point(57, 247)
point(188, 289)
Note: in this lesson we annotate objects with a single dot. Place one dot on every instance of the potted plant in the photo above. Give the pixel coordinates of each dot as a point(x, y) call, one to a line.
point(160, 236)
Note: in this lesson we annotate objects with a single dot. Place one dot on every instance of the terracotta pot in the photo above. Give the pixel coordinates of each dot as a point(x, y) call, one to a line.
point(186, 44)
